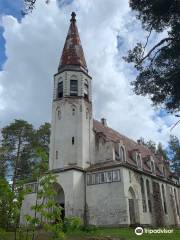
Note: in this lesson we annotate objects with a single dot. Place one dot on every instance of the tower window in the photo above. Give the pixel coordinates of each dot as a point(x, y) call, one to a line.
point(86, 89)
point(59, 114)
point(73, 111)
point(73, 87)
point(86, 113)
point(60, 90)
point(56, 154)
point(72, 140)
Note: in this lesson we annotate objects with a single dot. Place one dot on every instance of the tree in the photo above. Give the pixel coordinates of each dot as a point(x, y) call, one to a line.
point(29, 5)
point(158, 66)
point(151, 145)
point(16, 139)
point(19, 151)
point(6, 200)
point(43, 137)
point(161, 151)
point(174, 146)
point(3, 163)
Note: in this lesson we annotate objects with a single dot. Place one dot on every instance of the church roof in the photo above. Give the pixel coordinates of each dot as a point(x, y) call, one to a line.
point(130, 146)
point(72, 54)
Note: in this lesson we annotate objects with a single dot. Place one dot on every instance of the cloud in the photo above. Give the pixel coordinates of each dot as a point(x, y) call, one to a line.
point(107, 30)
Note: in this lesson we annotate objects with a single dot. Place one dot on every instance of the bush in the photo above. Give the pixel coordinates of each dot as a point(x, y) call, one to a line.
point(71, 224)
point(88, 229)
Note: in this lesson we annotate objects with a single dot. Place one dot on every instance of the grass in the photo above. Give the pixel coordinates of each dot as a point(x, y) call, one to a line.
point(99, 233)
point(122, 234)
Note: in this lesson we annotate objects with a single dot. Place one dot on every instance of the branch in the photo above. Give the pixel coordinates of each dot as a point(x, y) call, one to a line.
point(157, 53)
point(157, 45)
point(174, 125)
point(147, 40)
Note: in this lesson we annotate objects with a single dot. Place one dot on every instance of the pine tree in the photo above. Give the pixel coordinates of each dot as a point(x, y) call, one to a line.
point(158, 66)
point(174, 146)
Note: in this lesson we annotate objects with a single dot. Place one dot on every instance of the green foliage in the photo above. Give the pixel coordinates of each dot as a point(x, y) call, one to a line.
point(158, 66)
point(72, 224)
point(174, 147)
point(47, 213)
point(161, 151)
point(22, 149)
point(6, 202)
point(10, 204)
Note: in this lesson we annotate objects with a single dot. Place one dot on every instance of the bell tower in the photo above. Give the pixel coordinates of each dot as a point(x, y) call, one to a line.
point(71, 129)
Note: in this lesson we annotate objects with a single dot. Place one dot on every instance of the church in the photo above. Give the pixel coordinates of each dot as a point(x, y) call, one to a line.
point(103, 177)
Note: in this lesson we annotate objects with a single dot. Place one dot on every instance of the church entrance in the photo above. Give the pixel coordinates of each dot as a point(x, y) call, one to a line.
point(60, 198)
point(132, 201)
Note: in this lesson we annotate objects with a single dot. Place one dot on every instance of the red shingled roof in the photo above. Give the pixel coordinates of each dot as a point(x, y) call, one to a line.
point(130, 145)
point(72, 52)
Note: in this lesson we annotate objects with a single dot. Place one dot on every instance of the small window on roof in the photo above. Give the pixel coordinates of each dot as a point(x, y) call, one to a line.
point(138, 160)
point(122, 153)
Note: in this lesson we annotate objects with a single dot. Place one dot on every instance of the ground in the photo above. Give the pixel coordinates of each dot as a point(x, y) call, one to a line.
point(107, 234)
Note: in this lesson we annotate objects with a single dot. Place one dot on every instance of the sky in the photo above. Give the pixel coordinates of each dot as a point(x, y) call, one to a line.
point(30, 49)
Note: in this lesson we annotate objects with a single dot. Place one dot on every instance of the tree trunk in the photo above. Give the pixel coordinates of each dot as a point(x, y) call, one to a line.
point(16, 162)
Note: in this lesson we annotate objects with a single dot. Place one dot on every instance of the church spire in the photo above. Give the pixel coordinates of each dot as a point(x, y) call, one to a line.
point(72, 55)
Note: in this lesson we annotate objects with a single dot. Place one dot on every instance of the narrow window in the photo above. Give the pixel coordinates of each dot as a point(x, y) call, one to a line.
point(86, 89)
point(129, 176)
point(59, 114)
point(86, 113)
point(56, 154)
point(102, 177)
point(122, 154)
point(143, 196)
point(73, 111)
point(88, 179)
point(109, 176)
point(72, 140)
point(60, 90)
point(152, 167)
point(138, 158)
point(97, 178)
point(148, 195)
point(177, 207)
point(164, 200)
point(164, 171)
point(73, 87)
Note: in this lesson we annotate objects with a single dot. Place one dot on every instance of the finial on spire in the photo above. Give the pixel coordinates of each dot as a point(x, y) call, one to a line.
point(73, 17)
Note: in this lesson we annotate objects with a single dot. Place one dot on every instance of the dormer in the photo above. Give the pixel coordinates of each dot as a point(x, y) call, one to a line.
point(139, 160)
point(152, 164)
point(120, 153)
point(136, 157)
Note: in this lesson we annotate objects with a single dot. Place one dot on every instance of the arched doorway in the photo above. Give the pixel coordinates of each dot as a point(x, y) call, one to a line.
point(132, 205)
point(60, 198)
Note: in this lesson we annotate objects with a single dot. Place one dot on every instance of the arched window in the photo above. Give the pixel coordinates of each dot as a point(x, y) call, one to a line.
point(86, 89)
point(73, 87)
point(152, 166)
point(56, 154)
point(122, 154)
point(138, 160)
point(164, 171)
point(60, 89)
point(164, 200)
point(177, 206)
point(73, 111)
point(148, 195)
point(59, 114)
point(143, 196)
